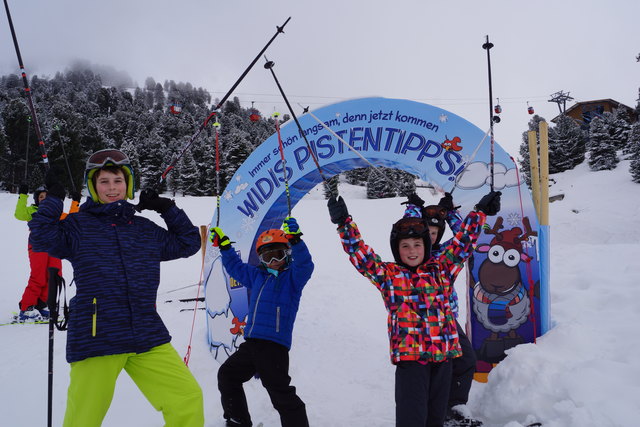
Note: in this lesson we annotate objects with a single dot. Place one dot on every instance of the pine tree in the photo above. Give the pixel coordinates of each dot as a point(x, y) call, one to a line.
point(621, 129)
point(379, 184)
point(358, 176)
point(129, 148)
point(634, 152)
point(602, 150)
point(567, 145)
point(406, 183)
point(189, 184)
point(330, 186)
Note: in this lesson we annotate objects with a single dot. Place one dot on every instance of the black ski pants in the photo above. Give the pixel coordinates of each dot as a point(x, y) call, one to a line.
point(421, 393)
point(463, 369)
point(271, 362)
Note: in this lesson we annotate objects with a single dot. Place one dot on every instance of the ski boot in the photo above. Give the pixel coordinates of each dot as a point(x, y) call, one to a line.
point(460, 416)
point(31, 314)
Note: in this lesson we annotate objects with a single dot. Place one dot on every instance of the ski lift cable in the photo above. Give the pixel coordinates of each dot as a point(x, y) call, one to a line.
point(174, 161)
point(468, 162)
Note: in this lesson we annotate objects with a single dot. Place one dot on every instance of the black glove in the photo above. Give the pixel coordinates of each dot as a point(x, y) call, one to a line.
point(490, 203)
point(338, 210)
point(75, 196)
point(54, 187)
point(149, 199)
point(23, 189)
point(447, 202)
point(414, 199)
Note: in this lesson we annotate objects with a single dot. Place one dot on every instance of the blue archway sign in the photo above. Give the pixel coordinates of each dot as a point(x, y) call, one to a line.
point(434, 144)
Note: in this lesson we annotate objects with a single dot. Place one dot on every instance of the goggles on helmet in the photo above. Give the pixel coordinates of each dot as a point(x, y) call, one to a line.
point(274, 255)
point(410, 227)
point(435, 211)
point(102, 158)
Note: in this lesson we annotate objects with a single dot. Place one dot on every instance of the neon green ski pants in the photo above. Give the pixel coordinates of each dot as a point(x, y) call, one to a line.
point(159, 373)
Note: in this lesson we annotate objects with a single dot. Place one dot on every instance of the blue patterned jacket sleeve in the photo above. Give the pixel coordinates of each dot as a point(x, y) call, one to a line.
point(181, 239)
point(49, 233)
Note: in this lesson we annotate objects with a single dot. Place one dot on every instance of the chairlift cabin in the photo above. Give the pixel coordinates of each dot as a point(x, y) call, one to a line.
point(497, 108)
point(529, 108)
point(175, 108)
point(254, 116)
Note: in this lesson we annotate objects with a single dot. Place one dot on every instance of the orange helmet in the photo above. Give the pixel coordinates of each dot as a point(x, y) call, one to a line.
point(270, 237)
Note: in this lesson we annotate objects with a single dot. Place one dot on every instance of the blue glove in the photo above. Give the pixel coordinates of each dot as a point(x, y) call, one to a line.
point(290, 226)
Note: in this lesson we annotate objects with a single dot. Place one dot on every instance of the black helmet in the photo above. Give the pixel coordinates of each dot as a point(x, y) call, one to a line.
point(436, 215)
point(406, 228)
point(36, 194)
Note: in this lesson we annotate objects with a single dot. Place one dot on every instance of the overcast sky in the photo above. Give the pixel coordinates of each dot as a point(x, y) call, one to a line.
point(335, 50)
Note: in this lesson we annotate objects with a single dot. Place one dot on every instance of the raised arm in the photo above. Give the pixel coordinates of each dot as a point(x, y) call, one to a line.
point(363, 257)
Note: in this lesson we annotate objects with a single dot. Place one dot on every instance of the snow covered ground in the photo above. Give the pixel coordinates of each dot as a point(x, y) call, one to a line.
point(583, 372)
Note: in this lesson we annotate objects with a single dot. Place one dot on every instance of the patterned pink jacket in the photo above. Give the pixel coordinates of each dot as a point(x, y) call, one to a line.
point(421, 324)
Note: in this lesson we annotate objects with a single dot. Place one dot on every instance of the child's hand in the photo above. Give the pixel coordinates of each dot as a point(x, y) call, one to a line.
point(290, 226)
point(414, 199)
point(24, 188)
point(218, 238)
point(490, 203)
point(338, 210)
point(54, 187)
point(292, 230)
point(149, 199)
point(447, 202)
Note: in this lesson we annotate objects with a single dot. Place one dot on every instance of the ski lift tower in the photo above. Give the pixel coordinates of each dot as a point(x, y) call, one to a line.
point(561, 98)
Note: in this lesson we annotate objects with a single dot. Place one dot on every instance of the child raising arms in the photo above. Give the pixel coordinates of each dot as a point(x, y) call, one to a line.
point(416, 289)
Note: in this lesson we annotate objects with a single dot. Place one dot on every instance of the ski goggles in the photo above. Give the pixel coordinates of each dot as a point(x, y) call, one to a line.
point(411, 227)
point(102, 158)
point(274, 255)
point(435, 211)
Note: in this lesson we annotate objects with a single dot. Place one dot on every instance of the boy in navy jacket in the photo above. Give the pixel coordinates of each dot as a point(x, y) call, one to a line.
point(113, 322)
point(275, 288)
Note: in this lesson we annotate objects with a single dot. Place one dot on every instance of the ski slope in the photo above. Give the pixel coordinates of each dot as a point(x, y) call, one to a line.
point(583, 372)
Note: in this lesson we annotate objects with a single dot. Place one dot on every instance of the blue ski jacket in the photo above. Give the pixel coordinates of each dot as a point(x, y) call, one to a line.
point(273, 300)
point(116, 258)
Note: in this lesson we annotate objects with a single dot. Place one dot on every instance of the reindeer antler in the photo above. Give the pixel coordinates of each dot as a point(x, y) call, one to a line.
point(495, 230)
point(528, 229)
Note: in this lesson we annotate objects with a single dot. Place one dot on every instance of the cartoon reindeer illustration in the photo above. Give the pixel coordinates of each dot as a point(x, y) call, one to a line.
point(501, 300)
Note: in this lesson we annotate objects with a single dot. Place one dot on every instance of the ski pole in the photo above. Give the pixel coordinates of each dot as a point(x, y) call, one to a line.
point(53, 314)
point(385, 177)
point(284, 163)
point(487, 46)
point(25, 82)
point(26, 151)
point(66, 160)
point(216, 125)
point(269, 66)
point(217, 107)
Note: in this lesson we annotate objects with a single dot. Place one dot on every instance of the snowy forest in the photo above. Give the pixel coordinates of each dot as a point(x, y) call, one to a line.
point(78, 114)
point(603, 138)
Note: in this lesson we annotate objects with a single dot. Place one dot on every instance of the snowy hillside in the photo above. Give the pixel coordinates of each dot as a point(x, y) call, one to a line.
point(582, 373)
